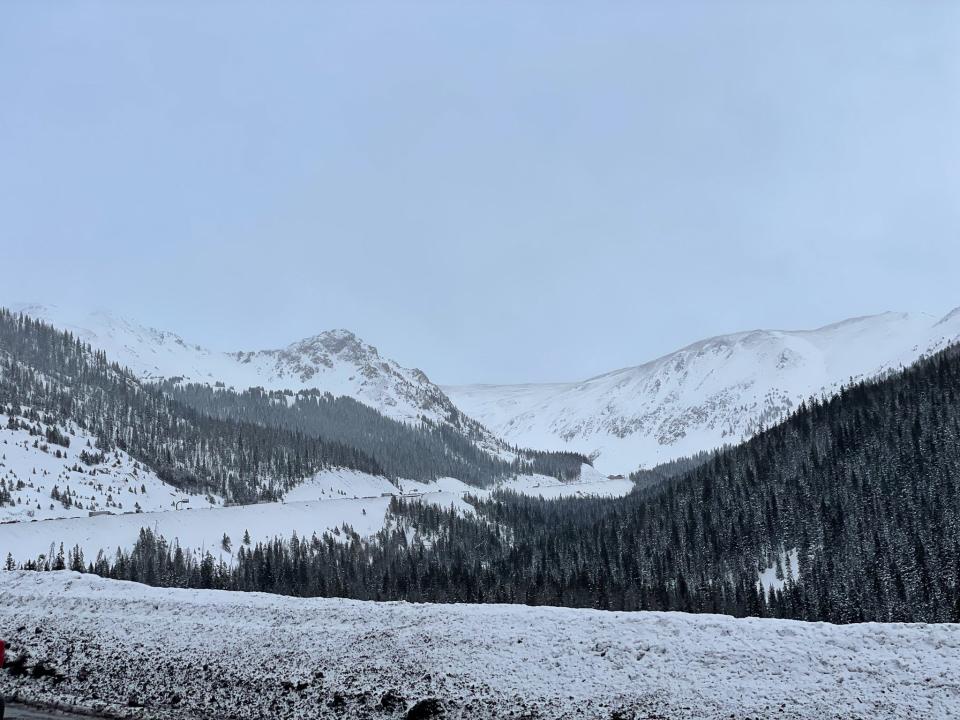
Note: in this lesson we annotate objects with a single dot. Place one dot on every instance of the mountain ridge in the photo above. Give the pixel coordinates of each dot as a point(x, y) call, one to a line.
point(709, 393)
point(712, 392)
point(335, 361)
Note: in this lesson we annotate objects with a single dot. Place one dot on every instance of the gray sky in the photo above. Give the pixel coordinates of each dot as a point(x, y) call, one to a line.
point(489, 191)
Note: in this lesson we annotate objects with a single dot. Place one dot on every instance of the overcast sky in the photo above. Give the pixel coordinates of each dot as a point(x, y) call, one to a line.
point(492, 192)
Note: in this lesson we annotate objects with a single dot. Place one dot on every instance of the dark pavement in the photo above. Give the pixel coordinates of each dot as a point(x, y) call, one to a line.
point(22, 712)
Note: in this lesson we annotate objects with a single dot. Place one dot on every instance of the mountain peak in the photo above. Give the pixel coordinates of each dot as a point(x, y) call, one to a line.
point(334, 341)
point(334, 361)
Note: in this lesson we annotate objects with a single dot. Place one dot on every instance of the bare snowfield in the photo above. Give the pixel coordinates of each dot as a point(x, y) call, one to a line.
point(143, 652)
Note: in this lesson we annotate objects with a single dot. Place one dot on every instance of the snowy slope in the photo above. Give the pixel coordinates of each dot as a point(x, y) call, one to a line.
point(328, 501)
point(159, 653)
point(194, 530)
point(32, 470)
point(325, 502)
point(710, 393)
point(335, 361)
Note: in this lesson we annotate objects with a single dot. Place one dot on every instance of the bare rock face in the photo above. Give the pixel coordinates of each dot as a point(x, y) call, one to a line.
point(404, 393)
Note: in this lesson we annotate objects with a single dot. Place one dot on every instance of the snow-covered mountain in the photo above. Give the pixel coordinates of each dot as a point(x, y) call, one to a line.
point(712, 392)
point(336, 361)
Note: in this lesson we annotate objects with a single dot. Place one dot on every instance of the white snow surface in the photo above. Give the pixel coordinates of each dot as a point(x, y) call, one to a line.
point(713, 392)
point(117, 485)
point(148, 653)
point(324, 503)
point(789, 569)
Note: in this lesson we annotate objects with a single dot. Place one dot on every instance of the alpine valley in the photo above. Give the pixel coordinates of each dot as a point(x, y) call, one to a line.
point(738, 492)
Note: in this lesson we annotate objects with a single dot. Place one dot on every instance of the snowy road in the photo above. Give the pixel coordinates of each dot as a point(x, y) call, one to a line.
point(22, 712)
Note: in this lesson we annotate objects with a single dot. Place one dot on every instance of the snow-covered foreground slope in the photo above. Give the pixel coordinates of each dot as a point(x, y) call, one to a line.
point(160, 653)
point(335, 361)
point(45, 480)
point(325, 503)
point(711, 393)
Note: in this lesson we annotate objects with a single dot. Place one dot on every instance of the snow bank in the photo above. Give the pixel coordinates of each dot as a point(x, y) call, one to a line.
point(159, 653)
